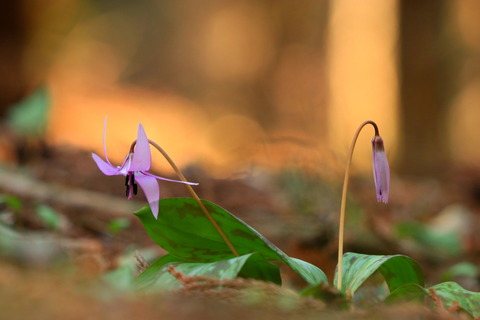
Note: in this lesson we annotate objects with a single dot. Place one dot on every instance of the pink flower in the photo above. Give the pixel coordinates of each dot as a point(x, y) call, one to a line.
point(134, 168)
point(381, 170)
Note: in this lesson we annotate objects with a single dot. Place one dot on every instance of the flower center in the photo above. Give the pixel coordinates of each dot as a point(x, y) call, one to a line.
point(131, 185)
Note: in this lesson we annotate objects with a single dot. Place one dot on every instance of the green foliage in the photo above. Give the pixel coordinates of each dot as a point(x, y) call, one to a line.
point(124, 276)
point(407, 292)
point(117, 225)
point(253, 266)
point(196, 249)
point(49, 217)
point(449, 293)
point(185, 232)
point(29, 117)
point(11, 202)
point(397, 270)
point(149, 275)
point(431, 240)
point(462, 269)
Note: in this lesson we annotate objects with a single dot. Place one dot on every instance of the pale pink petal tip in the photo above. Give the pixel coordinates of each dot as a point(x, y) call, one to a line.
point(105, 167)
point(150, 187)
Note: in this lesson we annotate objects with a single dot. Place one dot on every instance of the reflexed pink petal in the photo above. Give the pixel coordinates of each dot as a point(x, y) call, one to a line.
point(105, 167)
point(165, 179)
point(142, 157)
point(381, 170)
point(150, 187)
point(105, 141)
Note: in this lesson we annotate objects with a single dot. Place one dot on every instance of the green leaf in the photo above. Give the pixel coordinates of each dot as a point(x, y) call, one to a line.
point(407, 292)
point(251, 265)
point(117, 225)
point(49, 217)
point(462, 269)
point(123, 277)
point(30, 116)
point(448, 292)
point(148, 276)
point(183, 230)
point(11, 202)
point(451, 292)
point(397, 270)
point(257, 267)
point(434, 242)
point(310, 273)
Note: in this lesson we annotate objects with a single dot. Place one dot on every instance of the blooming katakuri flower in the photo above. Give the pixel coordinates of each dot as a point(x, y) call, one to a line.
point(134, 168)
point(381, 170)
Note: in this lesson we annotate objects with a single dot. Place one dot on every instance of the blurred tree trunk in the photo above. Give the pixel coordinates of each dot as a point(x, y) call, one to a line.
point(426, 86)
point(12, 40)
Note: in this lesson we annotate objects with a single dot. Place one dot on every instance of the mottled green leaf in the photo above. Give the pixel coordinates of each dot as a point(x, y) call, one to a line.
point(257, 267)
point(310, 273)
point(251, 265)
point(448, 292)
point(451, 292)
point(397, 270)
point(183, 230)
point(148, 276)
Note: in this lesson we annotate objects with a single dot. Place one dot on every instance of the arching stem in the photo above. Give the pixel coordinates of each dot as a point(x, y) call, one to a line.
point(341, 226)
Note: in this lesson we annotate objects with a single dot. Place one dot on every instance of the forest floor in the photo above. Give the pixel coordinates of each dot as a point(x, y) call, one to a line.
point(71, 226)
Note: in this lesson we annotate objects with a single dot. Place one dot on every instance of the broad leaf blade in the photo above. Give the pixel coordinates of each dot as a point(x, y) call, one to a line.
point(451, 292)
point(183, 230)
point(251, 265)
point(397, 270)
point(148, 276)
point(448, 292)
point(310, 273)
point(257, 267)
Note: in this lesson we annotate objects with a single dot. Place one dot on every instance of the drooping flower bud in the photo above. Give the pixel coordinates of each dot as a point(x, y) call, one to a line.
point(381, 169)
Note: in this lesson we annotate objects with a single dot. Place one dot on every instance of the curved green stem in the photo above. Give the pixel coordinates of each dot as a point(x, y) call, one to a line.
point(341, 226)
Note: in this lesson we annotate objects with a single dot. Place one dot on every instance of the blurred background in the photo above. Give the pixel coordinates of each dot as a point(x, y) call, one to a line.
point(228, 84)
point(258, 101)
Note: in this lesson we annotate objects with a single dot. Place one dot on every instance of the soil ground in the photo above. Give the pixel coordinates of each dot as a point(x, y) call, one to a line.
point(63, 280)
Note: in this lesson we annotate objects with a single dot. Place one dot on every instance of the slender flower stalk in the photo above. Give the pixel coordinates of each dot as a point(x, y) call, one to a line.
point(381, 175)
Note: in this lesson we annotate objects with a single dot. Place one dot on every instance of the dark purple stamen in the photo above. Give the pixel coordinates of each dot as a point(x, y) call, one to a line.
point(126, 183)
point(130, 184)
point(134, 185)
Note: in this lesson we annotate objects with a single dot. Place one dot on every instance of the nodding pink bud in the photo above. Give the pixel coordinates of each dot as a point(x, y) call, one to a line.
point(381, 169)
